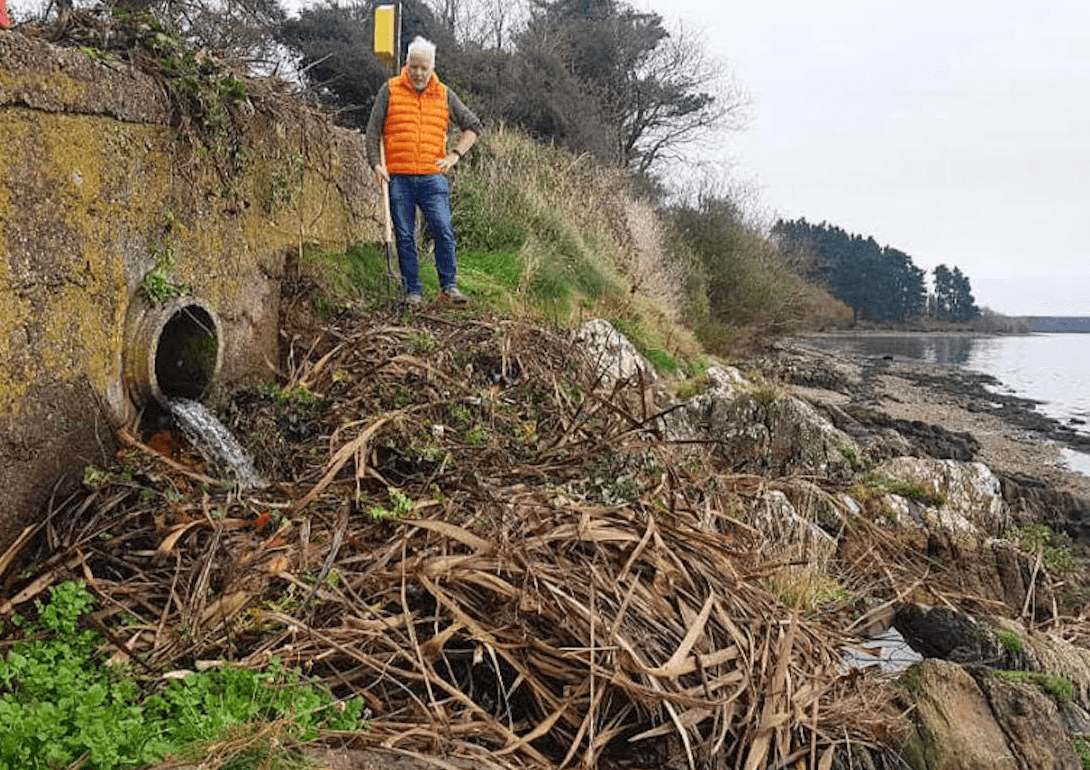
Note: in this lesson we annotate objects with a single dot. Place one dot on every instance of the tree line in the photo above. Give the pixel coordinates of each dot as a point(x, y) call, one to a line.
point(879, 283)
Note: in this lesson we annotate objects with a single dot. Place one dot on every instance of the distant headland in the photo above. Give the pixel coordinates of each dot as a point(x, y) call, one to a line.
point(1060, 324)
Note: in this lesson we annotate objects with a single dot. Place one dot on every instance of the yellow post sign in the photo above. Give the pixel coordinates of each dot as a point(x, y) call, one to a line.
point(386, 34)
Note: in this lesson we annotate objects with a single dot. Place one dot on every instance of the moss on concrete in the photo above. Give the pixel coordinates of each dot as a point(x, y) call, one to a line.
point(95, 186)
point(70, 204)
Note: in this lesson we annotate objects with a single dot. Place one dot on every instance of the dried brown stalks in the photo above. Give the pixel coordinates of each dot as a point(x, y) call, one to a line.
point(560, 588)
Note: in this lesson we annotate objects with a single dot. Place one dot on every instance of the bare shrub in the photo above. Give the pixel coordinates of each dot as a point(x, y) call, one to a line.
point(652, 269)
point(991, 322)
point(745, 286)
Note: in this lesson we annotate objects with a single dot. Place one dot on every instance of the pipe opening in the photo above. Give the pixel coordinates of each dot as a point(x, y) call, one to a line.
point(187, 354)
point(173, 351)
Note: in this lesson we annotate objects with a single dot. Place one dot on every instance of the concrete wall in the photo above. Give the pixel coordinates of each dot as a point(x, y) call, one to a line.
point(97, 189)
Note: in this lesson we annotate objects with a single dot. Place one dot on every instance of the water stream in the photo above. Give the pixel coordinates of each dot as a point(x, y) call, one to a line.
point(215, 443)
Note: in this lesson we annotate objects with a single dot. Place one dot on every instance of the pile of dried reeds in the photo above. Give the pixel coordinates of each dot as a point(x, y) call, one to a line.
point(505, 561)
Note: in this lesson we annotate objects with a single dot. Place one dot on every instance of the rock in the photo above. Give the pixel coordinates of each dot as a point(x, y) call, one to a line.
point(763, 431)
point(800, 536)
point(1012, 578)
point(969, 527)
point(970, 492)
point(872, 430)
point(753, 433)
point(724, 382)
point(996, 642)
point(1030, 720)
point(991, 692)
point(931, 524)
point(954, 728)
point(1027, 497)
point(1058, 657)
point(803, 442)
point(979, 719)
point(1077, 721)
point(942, 632)
point(613, 356)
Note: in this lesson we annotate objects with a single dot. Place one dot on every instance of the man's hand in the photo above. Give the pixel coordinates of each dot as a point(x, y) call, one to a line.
point(447, 163)
point(460, 148)
point(381, 174)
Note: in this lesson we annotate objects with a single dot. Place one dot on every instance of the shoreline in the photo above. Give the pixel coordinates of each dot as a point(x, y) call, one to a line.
point(1008, 434)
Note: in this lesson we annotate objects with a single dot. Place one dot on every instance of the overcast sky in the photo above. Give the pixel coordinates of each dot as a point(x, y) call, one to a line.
point(955, 131)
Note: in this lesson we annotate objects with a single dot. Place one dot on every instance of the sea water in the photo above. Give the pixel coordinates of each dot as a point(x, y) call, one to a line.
point(1053, 369)
point(214, 441)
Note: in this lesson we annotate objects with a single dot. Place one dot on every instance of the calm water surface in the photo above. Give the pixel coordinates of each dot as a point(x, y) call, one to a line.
point(1051, 368)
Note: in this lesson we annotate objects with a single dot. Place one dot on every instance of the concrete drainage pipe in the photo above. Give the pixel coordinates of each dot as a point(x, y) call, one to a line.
point(173, 350)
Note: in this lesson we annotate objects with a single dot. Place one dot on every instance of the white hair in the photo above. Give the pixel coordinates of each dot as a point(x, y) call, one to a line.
point(423, 46)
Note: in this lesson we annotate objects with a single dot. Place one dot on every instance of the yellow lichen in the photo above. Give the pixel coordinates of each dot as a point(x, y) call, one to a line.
point(110, 195)
point(52, 85)
point(77, 328)
point(14, 311)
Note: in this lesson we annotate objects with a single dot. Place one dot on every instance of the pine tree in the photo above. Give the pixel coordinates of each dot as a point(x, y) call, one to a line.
point(876, 282)
point(952, 296)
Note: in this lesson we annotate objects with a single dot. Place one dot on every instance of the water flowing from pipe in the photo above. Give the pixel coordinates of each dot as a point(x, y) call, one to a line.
point(215, 443)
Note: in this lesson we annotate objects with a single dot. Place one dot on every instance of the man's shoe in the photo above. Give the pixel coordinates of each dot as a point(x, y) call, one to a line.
point(413, 299)
point(452, 295)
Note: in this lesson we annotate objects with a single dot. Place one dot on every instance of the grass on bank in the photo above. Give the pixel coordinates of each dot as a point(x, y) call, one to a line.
point(549, 237)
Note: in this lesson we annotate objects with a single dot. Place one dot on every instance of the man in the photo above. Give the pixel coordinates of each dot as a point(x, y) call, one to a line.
point(410, 115)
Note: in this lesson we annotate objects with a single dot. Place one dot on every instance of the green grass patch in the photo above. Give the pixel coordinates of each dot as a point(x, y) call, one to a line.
point(661, 360)
point(1059, 688)
point(588, 277)
point(875, 483)
point(1082, 749)
point(693, 386)
point(488, 217)
point(549, 284)
point(490, 278)
point(503, 268)
point(655, 355)
point(809, 589)
point(346, 277)
point(62, 706)
point(1010, 641)
point(765, 395)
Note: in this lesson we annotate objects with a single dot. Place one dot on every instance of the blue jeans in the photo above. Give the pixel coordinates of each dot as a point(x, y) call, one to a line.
point(431, 193)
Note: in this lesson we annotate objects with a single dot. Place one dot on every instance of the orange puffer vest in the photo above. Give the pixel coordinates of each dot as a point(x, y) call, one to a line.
point(415, 134)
